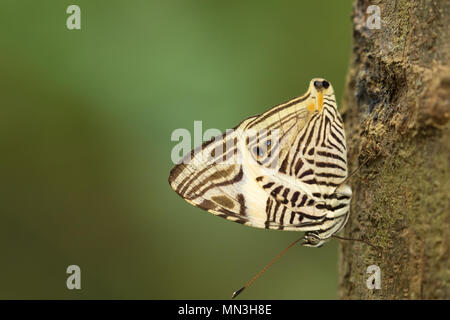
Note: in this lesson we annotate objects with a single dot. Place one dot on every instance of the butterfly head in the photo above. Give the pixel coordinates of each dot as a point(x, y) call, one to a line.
point(321, 85)
point(319, 89)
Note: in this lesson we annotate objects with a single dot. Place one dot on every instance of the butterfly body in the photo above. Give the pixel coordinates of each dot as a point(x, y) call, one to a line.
point(284, 169)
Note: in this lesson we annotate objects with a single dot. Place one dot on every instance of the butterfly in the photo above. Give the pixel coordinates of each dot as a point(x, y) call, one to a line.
point(284, 169)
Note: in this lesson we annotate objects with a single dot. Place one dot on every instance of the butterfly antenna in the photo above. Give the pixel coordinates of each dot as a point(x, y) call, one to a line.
point(236, 293)
point(356, 170)
point(360, 240)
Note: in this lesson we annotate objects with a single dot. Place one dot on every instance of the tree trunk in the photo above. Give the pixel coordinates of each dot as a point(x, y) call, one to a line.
point(396, 110)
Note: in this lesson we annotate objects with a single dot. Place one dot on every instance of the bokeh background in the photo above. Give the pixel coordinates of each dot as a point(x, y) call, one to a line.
point(86, 118)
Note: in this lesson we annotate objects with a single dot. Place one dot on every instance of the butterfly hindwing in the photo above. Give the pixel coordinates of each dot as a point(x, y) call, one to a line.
point(213, 177)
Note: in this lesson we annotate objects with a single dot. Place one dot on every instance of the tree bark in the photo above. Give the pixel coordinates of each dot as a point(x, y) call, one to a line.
point(396, 110)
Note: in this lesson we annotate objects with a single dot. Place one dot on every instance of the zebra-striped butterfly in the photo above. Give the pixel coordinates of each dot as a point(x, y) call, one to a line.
point(284, 169)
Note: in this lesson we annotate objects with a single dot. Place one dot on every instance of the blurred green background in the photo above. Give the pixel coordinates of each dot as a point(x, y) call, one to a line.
point(86, 118)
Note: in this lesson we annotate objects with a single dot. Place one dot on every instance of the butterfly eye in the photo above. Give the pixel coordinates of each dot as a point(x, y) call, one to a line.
point(321, 84)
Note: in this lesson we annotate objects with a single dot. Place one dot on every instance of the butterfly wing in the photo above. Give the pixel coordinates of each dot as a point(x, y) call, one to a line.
point(260, 173)
point(216, 177)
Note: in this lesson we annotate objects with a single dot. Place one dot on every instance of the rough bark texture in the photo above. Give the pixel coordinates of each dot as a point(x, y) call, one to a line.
point(396, 110)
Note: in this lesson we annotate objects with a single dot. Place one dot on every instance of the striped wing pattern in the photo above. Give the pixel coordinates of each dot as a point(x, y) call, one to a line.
point(281, 170)
point(205, 180)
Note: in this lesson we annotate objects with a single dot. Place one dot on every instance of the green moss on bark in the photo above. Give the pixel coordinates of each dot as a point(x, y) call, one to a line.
point(396, 110)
